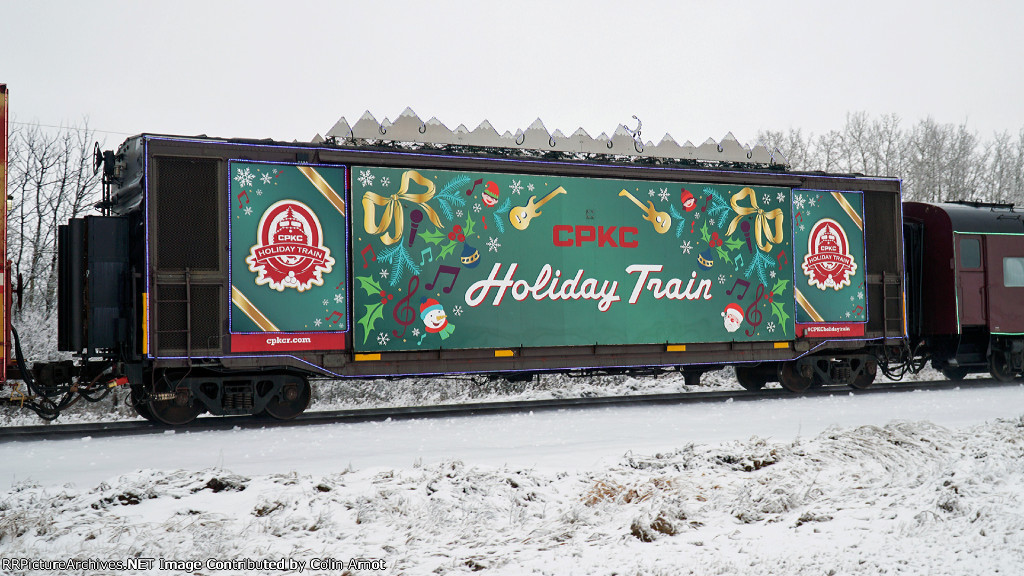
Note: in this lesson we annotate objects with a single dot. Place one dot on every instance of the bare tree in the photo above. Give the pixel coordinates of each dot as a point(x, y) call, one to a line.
point(51, 180)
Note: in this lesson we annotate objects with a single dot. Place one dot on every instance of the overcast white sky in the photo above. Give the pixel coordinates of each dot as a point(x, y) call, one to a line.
point(289, 70)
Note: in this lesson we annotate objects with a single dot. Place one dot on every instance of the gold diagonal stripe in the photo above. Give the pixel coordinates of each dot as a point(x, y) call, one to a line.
point(802, 301)
point(849, 210)
point(324, 188)
point(254, 314)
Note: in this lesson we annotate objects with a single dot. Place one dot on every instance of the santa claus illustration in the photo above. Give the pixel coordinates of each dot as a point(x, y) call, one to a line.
point(733, 315)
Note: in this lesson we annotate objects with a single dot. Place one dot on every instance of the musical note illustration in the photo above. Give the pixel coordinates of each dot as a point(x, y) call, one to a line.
point(423, 255)
point(369, 249)
point(799, 218)
point(445, 269)
point(781, 258)
point(738, 261)
point(706, 202)
point(859, 310)
point(739, 282)
point(415, 217)
point(475, 184)
point(753, 314)
point(661, 220)
point(333, 314)
point(520, 216)
point(404, 313)
point(243, 193)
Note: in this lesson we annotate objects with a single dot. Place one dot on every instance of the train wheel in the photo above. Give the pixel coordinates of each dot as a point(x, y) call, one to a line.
point(750, 378)
point(866, 377)
point(173, 406)
point(1000, 367)
point(792, 380)
point(141, 406)
point(293, 400)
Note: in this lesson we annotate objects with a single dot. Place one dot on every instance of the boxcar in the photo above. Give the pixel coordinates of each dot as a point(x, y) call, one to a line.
point(228, 273)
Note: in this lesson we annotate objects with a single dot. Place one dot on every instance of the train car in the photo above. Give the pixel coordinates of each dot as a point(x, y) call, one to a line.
point(226, 274)
point(969, 316)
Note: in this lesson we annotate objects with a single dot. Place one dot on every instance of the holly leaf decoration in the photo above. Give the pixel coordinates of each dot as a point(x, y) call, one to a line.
point(369, 284)
point(723, 254)
point(780, 287)
point(704, 232)
point(435, 237)
point(469, 226)
point(373, 313)
point(733, 243)
point(780, 314)
point(447, 250)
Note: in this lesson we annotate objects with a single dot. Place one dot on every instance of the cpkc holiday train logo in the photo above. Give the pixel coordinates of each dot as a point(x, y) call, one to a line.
point(828, 263)
point(289, 252)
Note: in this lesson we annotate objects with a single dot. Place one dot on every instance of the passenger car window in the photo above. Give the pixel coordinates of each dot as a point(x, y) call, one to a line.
point(1013, 272)
point(970, 253)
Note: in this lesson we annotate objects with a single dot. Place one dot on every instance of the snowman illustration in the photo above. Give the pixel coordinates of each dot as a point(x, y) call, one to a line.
point(733, 315)
point(435, 319)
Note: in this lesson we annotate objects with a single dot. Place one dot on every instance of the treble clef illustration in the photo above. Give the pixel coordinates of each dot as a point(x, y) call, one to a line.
point(405, 314)
point(753, 313)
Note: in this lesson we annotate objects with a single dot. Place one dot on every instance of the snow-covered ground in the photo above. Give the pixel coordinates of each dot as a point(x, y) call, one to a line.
point(912, 483)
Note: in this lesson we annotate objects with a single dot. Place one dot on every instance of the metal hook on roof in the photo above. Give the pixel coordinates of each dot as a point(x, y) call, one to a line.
point(520, 138)
point(551, 141)
point(423, 128)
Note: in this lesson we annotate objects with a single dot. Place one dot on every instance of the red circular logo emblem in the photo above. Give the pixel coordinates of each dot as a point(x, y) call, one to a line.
point(828, 263)
point(289, 252)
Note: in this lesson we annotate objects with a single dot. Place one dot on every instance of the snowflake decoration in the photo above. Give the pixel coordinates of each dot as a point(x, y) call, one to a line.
point(686, 246)
point(477, 208)
point(338, 298)
point(663, 194)
point(772, 274)
point(275, 170)
point(711, 221)
point(860, 295)
point(415, 331)
point(459, 214)
point(651, 192)
point(721, 278)
point(365, 178)
point(771, 326)
point(780, 196)
point(325, 302)
point(813, 202)
point(384, 273)
point(766, 199)
point(259, 192)
point(851, 298)
point(802, 227)
point(385, 181)
point(265, 178)
point(248, 210)
point(847, 313)
point(383, 339)
point(517, 186)
point(530, 186)
point(457, 310)
point(244, 177)
point(798, 201)
point(317, 322)
point(493, 245)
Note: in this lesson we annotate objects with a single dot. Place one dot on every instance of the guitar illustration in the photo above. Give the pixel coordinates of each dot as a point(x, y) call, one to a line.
point(520, 216)
point(661, 220)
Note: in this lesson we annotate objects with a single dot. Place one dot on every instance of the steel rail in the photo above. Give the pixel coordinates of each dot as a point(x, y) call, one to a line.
point(359, 415)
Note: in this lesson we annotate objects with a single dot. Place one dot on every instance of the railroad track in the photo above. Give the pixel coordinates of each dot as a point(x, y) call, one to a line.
point(214, 423)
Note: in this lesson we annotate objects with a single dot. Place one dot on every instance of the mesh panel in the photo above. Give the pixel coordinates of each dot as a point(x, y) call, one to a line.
point(205, 317)
point(186, 208)
point(881, 214)
point(171, 317)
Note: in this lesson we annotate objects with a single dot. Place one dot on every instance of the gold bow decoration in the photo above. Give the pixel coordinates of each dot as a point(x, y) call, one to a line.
point(762, 220)
point(392, 205)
